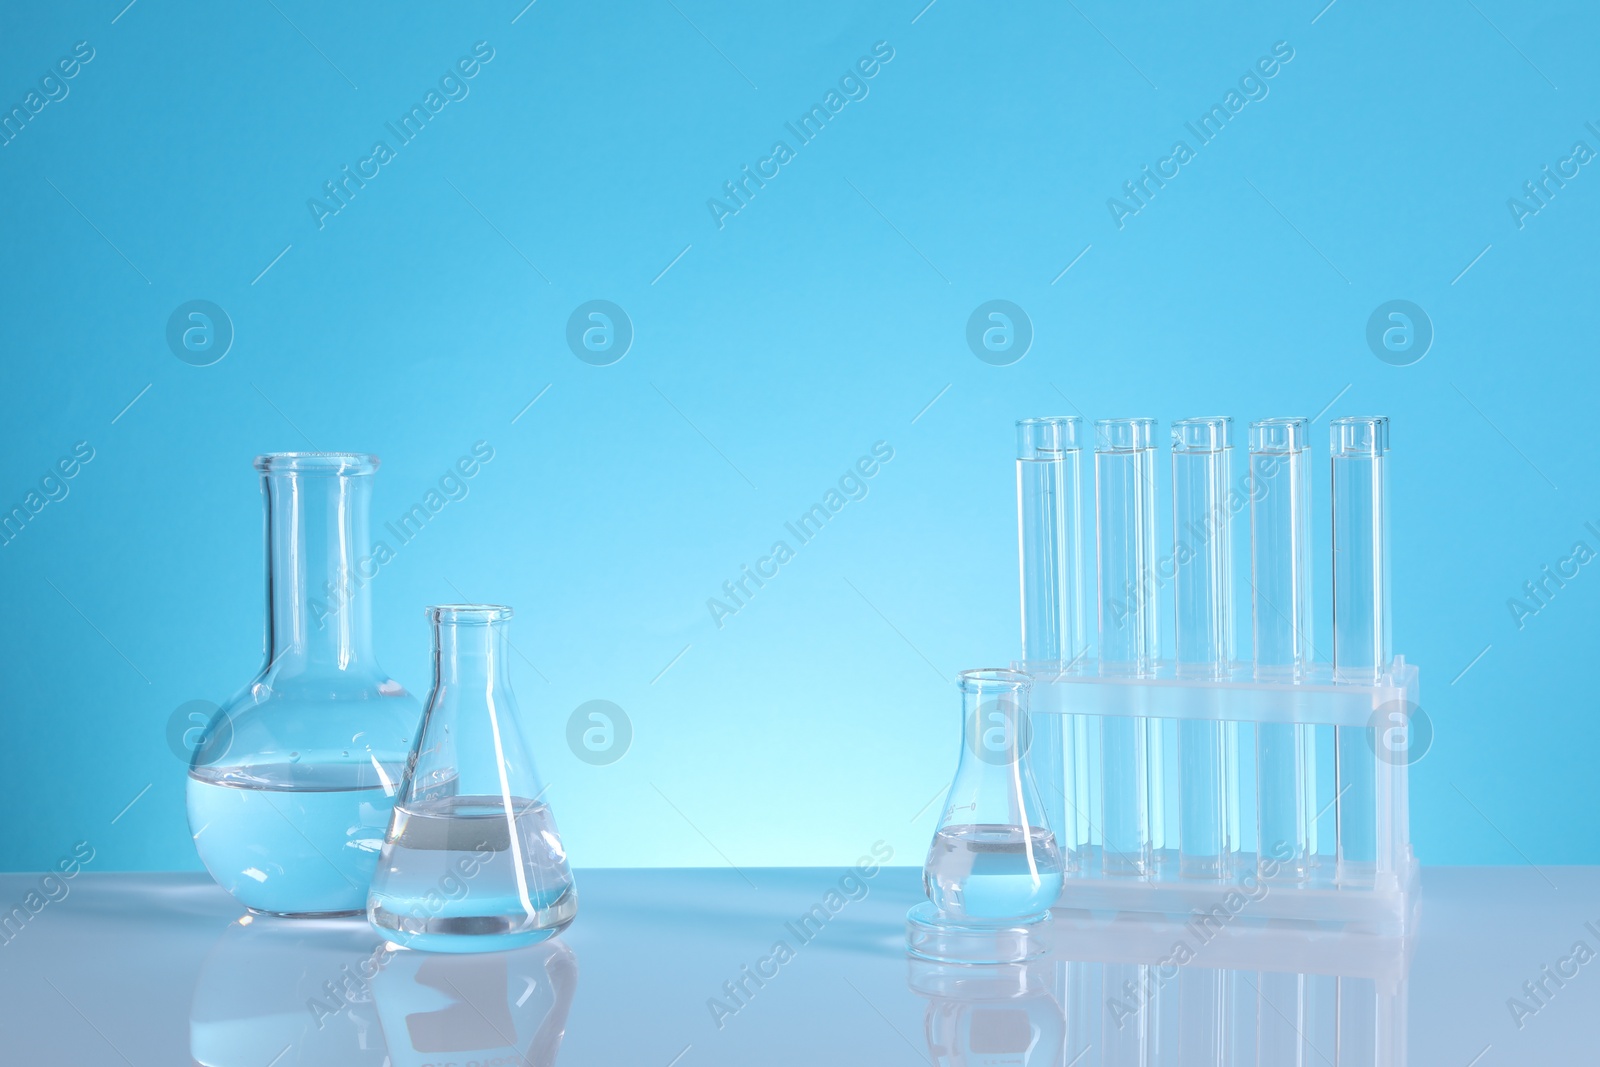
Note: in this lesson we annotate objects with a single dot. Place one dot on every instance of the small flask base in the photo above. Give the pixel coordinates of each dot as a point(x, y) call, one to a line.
point(467, 943)
point(487, 933)
point(932, 936)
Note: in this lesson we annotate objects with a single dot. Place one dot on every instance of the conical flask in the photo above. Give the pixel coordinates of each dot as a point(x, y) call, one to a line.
point(994, 864)
point(472, 861)
point(291, 783)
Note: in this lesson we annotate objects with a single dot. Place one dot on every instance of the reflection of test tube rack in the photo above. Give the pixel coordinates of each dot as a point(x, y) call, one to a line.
point(1165, 778)
point(1248, 996)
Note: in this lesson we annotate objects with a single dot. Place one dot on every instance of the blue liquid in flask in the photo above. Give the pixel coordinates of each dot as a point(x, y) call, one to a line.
point(993, 871)
point(295, 838)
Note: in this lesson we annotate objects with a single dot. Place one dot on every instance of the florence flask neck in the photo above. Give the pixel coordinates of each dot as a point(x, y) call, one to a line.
point(319, 561)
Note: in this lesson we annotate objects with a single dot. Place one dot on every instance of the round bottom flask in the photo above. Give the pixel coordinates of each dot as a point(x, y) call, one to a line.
point(291, 783)
point(994, 868)
point(472, 861)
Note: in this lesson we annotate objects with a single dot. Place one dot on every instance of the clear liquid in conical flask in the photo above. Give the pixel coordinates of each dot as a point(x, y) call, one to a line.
point(472, 873)
point(472, 861)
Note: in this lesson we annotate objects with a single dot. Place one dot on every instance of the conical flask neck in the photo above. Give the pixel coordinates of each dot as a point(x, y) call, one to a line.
point(993, 784)
point(472, 746)
point(995, 727)
point(470, 654)
point(319, 561)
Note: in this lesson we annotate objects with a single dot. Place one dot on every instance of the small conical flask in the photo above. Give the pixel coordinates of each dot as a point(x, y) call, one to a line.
point(472, 861)
point(994, 866)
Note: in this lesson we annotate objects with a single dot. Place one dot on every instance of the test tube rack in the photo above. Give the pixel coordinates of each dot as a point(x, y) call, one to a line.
point(1182, 784)
point(1378, 896)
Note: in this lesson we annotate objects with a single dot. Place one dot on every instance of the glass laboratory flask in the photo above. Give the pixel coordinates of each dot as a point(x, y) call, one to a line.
point(472, 861)
point(994, 864)
point(291, 783)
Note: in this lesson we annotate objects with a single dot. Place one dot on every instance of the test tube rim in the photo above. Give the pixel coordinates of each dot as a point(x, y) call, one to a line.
point(1378, 444)
point(1067, 442)
point(1299, 426)
point(1143, 429)
point(1222, 423)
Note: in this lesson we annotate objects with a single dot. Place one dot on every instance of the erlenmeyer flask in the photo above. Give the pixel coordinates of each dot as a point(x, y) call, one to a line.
point(472, 861)
point(994, 863)
point(994, 857)
point(292, 781)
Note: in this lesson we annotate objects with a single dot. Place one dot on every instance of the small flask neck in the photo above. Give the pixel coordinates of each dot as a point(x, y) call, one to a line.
point(319, 601)
point(995, 725)
point(471, 654)
point(993, 785)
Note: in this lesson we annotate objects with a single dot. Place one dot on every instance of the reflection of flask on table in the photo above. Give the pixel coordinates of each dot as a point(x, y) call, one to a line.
point(501, 1008)
point(291, 784)
point(332, 993)
point(993, 868)
point(270, 984)
point(997, 1014)
point(472, 861)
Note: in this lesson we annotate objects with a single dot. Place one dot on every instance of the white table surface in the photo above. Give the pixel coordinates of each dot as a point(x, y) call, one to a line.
point(147, 969)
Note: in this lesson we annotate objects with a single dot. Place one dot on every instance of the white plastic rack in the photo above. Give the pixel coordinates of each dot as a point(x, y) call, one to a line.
point(1377, 895)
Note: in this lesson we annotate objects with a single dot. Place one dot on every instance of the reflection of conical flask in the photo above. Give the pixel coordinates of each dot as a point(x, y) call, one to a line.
point(472, 861)
point(986, 1016)
point(994, 857)
point(506, 1008)
point(291, 784)
point(274, 986)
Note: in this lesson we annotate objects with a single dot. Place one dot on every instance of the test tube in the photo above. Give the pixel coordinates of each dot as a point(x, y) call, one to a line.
point(1050, 554)
point(1280, 616)
point(1125, 557)
point(1360, 625)
point(1202, 454)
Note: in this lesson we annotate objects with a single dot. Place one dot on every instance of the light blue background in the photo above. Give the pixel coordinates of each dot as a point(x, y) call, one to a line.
point(824, 317)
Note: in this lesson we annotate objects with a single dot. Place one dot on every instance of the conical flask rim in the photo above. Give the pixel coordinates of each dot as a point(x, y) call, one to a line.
point(468, 613)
